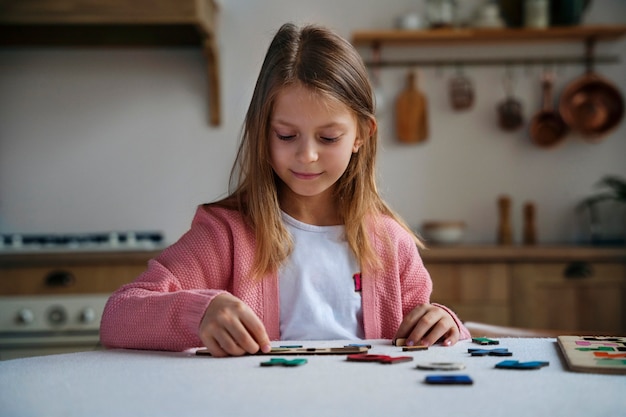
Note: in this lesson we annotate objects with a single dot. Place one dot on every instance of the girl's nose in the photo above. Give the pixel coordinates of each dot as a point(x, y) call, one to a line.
point(307, 150)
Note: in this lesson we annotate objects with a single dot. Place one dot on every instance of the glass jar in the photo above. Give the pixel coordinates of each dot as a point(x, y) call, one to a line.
point(536, 14)
point(441, 13)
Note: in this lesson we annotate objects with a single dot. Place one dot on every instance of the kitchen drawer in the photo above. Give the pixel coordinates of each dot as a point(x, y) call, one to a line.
point(70, 279)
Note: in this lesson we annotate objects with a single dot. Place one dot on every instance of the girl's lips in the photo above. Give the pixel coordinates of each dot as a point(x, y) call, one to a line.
point(305, 175)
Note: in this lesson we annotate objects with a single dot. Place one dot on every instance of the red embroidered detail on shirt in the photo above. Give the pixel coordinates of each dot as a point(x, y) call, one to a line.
point(357, 282)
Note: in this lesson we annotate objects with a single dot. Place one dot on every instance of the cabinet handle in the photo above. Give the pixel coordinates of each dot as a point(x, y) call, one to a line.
point(578, 270)
point(56, 279)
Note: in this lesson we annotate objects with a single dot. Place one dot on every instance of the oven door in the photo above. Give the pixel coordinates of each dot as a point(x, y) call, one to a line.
point(37, 344)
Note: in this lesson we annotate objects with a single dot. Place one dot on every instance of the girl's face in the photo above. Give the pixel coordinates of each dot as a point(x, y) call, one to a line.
point(311, 141)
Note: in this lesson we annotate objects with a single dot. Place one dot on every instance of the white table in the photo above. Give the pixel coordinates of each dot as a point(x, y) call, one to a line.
point(146, 383)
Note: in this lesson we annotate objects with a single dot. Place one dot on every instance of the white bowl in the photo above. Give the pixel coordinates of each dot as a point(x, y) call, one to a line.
point(443, 232)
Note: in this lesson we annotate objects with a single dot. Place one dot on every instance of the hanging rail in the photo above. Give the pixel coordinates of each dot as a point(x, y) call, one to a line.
point(544, 61)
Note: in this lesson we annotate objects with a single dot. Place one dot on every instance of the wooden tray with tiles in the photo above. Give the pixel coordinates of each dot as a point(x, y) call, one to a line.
point(595, 354)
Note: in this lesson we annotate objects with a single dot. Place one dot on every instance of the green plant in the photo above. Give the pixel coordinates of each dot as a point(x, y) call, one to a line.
point(615, 189)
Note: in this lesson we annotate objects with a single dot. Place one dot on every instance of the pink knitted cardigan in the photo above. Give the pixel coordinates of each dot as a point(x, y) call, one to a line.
point(163, 307)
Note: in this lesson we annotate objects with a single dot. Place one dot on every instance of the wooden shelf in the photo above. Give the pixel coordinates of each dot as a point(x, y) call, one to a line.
point(117, 23)
point(588, 35)
point(487, 36)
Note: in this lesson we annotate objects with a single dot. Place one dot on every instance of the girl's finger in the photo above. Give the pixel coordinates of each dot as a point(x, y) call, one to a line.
point(242, 338)
point(431, 337)
point(410, 321)
point(228, 343)
point(214, 348)
point(257, 333)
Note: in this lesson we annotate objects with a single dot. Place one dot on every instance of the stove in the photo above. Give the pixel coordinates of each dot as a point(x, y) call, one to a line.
point(102, 241)
point(41, 325)
point(55, 315)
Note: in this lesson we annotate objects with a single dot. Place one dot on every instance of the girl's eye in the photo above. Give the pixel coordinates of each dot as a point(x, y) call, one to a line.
point(330, 140)
point(285, 137)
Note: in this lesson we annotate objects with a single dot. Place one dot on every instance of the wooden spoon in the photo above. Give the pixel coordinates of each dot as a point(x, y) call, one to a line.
point(411, 113)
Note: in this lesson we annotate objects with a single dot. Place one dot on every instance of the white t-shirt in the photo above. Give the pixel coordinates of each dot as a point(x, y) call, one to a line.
point(320, 296)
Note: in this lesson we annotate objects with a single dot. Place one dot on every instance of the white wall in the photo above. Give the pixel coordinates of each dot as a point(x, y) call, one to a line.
point(115, 139)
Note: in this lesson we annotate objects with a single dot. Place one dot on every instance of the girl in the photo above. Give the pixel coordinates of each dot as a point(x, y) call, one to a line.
point(304, 216)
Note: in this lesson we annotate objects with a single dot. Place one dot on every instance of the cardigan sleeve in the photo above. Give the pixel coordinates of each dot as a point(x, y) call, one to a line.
point(418, 285)
point(163, 307)
point(403, 284)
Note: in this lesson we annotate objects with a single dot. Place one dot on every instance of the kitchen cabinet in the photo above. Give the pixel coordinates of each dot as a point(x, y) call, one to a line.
point(550, 287)
point(69, 273)
point(550, 296)
point(475, 291)
point(161, 23)
point(459, 37)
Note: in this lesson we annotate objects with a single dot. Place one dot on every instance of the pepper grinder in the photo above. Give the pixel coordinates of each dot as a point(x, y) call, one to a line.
point(530, 230)
point(505, 232)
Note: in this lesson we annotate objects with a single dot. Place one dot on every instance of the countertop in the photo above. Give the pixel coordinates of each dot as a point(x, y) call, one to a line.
point(522, 253)
point(433, 253)
point(149, 383)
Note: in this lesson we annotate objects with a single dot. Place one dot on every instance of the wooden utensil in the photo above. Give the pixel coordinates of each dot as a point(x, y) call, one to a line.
point(411, 113)
point(505, 231)
point(547, 128)
point(530, 227)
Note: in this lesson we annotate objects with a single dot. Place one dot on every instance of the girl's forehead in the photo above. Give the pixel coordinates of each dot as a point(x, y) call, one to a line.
point(303, 95)
point(294, 99)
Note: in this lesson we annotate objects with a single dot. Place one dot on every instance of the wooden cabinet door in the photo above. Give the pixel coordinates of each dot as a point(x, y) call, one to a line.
point(570, 296)
point(475, 291)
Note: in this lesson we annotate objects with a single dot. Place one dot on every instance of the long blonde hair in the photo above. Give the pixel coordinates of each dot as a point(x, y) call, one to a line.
point(319, 59)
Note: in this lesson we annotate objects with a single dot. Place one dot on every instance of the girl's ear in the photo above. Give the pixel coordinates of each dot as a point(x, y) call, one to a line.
point(368, 132)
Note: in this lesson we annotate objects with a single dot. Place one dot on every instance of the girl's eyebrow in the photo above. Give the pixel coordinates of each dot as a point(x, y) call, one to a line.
point(326, 126)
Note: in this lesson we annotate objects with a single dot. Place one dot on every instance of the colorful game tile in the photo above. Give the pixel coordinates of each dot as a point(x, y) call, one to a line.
point(284, 362)
point(510, 364)
point(449, 380)
point(441, 366)
point(384, 359)
point(490, 352)
point(485, 341)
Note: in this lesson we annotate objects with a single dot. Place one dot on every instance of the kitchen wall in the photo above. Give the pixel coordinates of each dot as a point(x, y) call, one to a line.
point(116, 139)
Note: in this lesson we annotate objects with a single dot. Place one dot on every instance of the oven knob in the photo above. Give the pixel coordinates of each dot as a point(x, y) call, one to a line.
point(57, 315)
point(88, 315)
point(25, 316)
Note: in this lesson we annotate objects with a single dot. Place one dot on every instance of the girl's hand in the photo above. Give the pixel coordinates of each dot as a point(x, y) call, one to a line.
point(230, 327)
point(426, 324)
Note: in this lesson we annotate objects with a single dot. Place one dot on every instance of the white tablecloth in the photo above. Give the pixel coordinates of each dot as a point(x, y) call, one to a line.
point(146, 383)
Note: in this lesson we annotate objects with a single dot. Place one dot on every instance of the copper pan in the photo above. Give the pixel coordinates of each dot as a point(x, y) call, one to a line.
point(547, 128)
point(592, 106)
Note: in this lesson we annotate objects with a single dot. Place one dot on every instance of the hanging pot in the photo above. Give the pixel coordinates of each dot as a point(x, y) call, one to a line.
point(592, 105)
point(510, 110)
point(547, 128)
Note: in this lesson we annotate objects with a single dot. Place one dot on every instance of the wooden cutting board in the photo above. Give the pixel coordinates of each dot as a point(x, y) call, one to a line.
point(411, 113)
